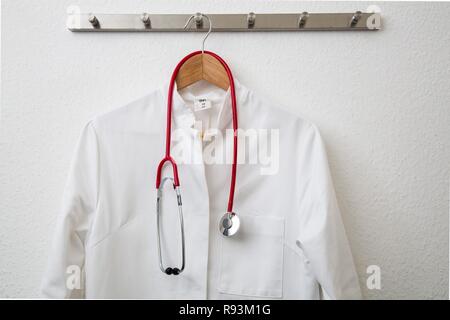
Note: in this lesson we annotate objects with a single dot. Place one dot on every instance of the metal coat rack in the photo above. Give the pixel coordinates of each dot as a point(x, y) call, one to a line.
point(147, 22)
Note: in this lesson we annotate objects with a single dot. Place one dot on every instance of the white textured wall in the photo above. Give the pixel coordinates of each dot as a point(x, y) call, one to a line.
point(381, 100)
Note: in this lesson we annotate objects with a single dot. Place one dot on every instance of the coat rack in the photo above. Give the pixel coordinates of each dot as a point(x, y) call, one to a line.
point(146, 22)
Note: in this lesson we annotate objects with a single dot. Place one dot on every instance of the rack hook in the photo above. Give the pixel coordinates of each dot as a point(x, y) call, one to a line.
point(198, 18)
point(94, 21)
point(251, 18)
point(355, 18)
point(145, 18)
point(302, 20)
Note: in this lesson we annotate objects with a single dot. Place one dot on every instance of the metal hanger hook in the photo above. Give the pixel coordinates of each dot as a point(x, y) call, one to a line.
point(197, 16)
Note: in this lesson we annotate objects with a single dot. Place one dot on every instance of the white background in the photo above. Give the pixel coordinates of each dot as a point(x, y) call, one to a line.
point(381, 100)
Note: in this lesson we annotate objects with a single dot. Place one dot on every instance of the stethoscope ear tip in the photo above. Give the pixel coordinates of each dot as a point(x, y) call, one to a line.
point(174, 271)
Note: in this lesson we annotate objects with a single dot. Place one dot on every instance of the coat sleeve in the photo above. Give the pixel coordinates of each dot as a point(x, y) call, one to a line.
point(64, 275)
point(322, 236)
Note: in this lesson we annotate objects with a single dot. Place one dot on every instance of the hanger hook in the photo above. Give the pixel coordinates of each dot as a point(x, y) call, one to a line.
point(200, 15)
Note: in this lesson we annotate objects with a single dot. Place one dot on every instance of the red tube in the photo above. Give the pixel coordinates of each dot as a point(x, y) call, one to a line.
point(168, 158)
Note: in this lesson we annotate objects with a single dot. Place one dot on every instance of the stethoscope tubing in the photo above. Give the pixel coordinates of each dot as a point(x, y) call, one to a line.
point(168, 158)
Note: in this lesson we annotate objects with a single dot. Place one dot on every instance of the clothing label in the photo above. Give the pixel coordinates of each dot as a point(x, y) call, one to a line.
point(201, 104)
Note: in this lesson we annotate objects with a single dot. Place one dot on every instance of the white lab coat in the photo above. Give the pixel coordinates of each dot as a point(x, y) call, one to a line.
point(291, 242)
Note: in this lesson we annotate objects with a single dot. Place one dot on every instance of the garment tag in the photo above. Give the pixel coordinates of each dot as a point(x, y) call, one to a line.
point(201, 104)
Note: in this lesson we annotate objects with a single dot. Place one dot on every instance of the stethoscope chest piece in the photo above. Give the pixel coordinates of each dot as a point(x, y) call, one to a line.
point(229, 224)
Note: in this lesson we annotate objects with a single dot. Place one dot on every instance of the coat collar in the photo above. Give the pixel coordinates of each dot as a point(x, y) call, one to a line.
point(184, 117)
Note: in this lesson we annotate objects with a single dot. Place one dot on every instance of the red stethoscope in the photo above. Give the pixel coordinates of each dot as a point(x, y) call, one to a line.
point(229, 223)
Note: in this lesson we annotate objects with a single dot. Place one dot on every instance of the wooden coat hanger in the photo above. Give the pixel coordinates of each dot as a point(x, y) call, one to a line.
point(202, 66)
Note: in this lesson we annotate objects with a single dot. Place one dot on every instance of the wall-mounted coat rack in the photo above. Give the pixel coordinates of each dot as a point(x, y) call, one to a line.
point(147, 22)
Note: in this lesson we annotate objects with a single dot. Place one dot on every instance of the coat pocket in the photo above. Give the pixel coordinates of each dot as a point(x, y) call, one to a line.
point(252, 260)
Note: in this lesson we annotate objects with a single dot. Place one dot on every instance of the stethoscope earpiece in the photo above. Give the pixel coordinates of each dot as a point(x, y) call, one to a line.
point(169, 270)
point(172, 271)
